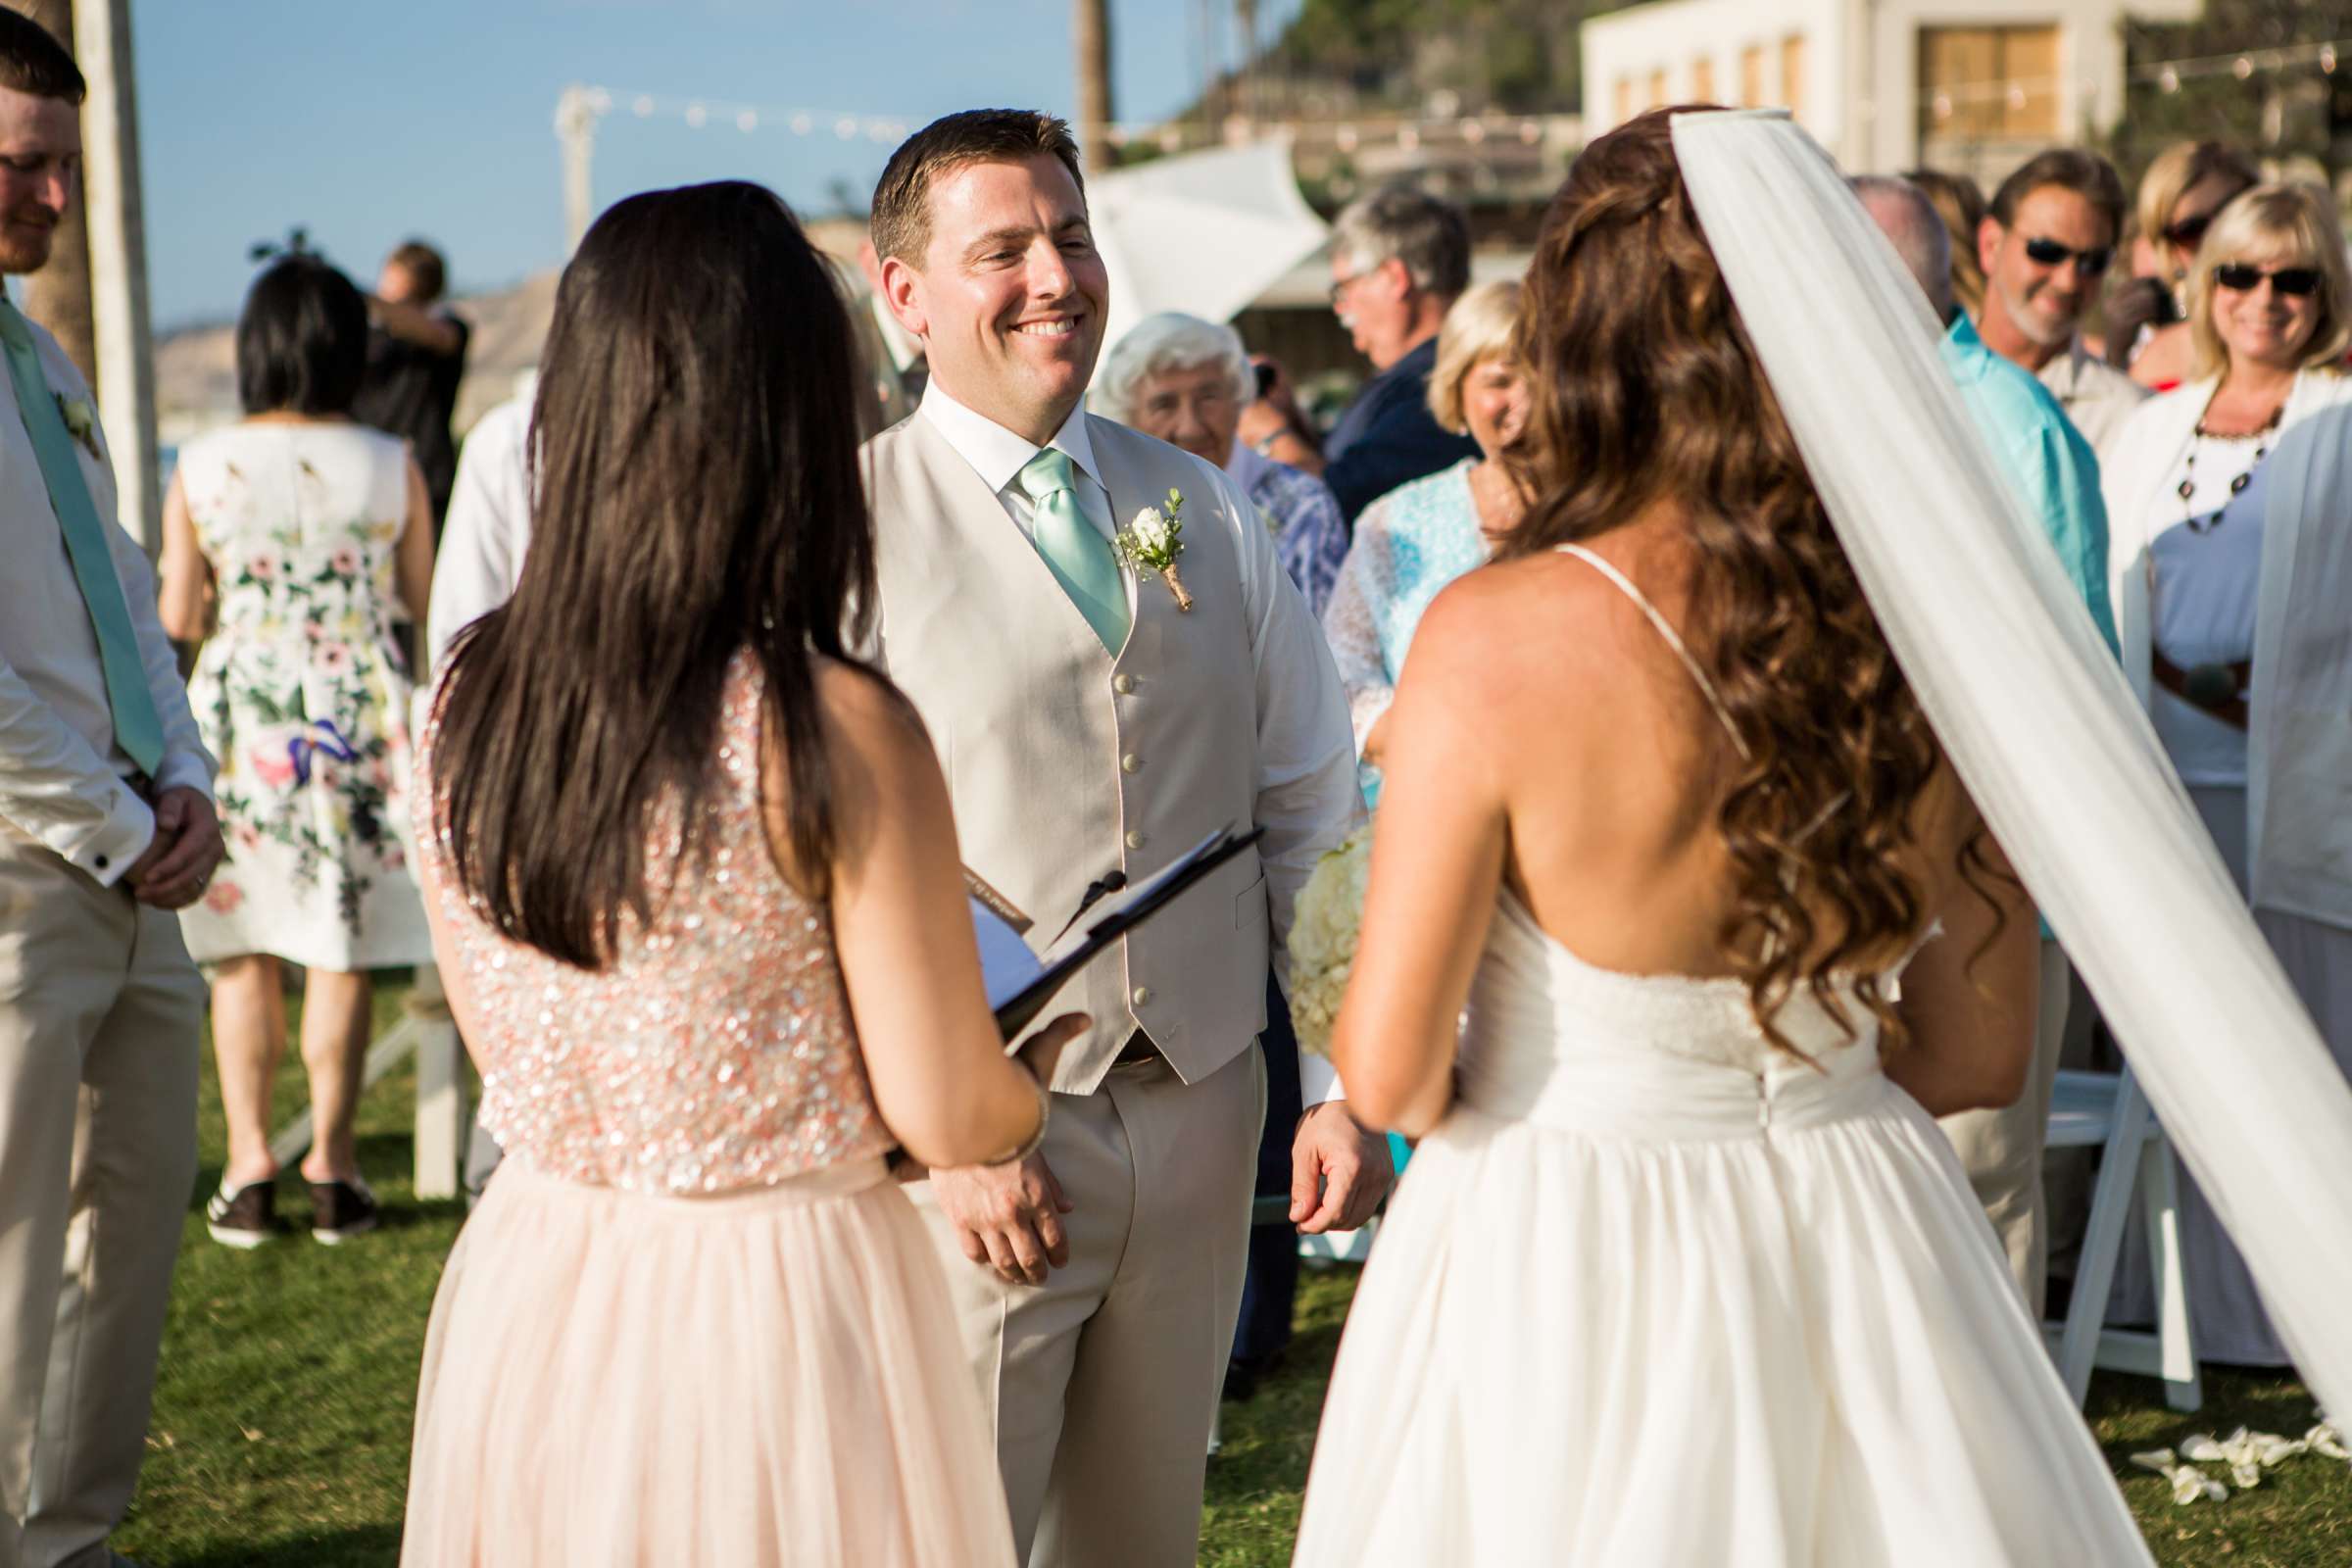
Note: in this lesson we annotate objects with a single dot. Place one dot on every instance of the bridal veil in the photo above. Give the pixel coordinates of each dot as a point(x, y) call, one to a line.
point(2038, 718)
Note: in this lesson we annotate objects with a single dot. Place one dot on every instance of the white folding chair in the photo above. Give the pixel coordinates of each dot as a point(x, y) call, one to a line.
point(2108, 1111)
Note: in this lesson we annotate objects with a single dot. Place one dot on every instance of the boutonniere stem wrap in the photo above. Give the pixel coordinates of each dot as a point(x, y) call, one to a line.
point(1154, 540)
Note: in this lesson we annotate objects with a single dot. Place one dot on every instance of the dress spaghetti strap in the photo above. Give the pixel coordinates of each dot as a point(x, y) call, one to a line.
point(1674, 639)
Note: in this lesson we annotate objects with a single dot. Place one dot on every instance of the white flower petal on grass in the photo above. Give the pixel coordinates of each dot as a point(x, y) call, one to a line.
point(2189, 1483)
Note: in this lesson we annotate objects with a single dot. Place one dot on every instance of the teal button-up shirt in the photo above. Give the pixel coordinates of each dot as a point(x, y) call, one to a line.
point(2047, 460)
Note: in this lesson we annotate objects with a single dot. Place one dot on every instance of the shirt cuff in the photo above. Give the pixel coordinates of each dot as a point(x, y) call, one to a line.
point(185, 770)
point(109, 850)
point(1318, 1081)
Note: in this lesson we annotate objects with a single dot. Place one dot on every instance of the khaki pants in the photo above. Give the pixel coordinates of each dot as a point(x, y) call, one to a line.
point(1102, 1384)
point(2002, 1150)
point(99, 1013)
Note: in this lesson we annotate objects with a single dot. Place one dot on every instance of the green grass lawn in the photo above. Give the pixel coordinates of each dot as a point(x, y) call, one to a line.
point(281, 1416)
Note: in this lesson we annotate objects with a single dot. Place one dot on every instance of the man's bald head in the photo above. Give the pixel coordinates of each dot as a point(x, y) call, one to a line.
point(1911, 224)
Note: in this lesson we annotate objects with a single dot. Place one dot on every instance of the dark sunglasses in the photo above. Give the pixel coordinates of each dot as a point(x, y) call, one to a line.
point(2244, 279)
point(2049, 253)
point(2190, 230)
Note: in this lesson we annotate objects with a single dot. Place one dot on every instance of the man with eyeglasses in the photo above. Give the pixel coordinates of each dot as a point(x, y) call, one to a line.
point(2045, 243)
point(1399, 258)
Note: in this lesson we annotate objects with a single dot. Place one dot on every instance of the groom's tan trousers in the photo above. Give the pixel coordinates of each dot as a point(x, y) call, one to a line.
point(99, 1012)
point(2002, 1150)
point(1103, 1383)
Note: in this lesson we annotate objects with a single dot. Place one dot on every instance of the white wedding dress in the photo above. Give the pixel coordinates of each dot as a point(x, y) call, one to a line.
point(1657, 1293)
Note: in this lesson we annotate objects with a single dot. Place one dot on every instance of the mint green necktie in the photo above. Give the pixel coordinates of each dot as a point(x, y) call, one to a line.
point(1074, 549)
point(137, 729)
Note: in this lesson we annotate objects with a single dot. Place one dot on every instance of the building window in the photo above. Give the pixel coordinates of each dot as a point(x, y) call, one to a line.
point(1792, 73)
point(1624, 99)
point(1657, 89)
point(1989, 84)
point(1703, 80)
point(1751, 76)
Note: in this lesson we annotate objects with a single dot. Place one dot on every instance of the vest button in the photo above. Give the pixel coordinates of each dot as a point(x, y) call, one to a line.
point(1131, 764)
point(1122, 684)
point(1142, 996)
point(1135, 841)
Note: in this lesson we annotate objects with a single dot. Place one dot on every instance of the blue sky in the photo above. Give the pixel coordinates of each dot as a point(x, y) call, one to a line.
point(369, 123)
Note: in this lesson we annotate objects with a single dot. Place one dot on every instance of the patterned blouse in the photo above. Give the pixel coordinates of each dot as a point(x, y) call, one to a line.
point(1408, 544)
point(1310, 536)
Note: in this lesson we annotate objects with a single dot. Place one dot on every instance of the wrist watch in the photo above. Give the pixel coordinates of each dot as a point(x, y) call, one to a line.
point(1264, 448)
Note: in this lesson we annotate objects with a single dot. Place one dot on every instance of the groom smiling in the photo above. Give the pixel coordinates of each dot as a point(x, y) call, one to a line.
point(1088, 722)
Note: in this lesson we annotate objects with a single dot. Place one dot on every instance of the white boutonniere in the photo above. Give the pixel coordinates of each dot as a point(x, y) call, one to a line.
point(1154, 540)
point(81, 422)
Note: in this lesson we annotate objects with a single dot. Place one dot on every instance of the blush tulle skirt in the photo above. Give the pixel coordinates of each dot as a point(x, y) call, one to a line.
point(758, 1379)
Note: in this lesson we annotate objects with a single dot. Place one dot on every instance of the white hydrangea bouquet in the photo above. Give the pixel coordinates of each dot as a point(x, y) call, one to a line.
point(1325, 925)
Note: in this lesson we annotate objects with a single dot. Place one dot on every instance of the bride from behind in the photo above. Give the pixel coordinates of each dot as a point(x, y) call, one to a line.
point(1684, 1271)
point(695, 893)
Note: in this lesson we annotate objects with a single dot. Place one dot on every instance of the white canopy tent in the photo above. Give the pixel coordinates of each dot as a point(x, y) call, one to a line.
point(1203, 233)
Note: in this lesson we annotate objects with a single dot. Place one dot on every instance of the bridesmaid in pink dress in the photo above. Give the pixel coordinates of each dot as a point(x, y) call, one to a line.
point(696, 897)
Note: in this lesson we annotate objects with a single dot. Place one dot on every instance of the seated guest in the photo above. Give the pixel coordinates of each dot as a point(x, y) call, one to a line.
point(2184, 188)
point(2048, 238)
point(2270, 316)
point(1399, 258)
point(1960, 203)
point(2054, 474)
point(1418, 538)
point(1186, 381)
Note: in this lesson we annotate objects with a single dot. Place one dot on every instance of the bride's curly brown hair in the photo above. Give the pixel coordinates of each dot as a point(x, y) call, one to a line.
point(1647, 389)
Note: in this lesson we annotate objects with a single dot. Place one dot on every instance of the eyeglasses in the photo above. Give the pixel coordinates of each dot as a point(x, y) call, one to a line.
point(2241, 278)
point(2049, 253)
point(2190, 230)
point(1341, 286)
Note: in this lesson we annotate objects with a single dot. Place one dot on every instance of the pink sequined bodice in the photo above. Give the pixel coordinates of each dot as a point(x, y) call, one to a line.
point(715, 1051)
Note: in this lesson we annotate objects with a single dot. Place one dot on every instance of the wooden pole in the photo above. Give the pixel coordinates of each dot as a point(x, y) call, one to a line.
point(1092, 28)
point(117, 234)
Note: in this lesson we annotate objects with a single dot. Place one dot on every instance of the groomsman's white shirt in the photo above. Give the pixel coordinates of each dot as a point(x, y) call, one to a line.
point(61, 777)
point(1293, 738)
point(487, 530)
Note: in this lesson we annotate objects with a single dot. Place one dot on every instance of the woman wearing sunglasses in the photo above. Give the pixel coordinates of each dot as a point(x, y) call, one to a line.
point(2270, 317)
point(2184, 188)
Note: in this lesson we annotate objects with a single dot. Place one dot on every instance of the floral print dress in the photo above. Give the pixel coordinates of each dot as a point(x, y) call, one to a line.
point(302, 691)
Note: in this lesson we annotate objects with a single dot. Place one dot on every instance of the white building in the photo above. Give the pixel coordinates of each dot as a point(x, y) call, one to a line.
point(1974, 85)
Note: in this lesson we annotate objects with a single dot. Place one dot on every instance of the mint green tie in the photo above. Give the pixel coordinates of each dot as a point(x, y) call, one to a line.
point(137, 729)
point(1074, 549)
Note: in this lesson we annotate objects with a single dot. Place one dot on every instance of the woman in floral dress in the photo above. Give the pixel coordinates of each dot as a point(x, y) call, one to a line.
point(289, 541)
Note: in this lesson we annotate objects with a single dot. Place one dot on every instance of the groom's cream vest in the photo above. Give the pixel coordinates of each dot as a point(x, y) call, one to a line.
point(1065, 763)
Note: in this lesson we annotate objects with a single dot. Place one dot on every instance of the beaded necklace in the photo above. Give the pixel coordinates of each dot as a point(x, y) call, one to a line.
point(2260, 435)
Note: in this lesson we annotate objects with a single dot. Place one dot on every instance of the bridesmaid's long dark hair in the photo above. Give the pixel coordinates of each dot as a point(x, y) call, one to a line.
point(698, 493)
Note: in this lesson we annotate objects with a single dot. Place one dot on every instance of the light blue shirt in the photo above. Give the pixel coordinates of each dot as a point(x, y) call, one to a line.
point(2047, 460)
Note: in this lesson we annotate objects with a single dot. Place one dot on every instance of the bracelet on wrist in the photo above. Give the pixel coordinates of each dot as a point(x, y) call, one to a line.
point(1044, 1112)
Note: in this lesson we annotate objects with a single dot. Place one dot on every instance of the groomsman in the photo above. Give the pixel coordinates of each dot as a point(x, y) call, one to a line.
point(106, 827)
point(1092, 718)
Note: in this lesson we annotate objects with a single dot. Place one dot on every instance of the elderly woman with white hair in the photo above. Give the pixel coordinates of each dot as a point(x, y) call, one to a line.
point(1420, 536)
point(1186, 381)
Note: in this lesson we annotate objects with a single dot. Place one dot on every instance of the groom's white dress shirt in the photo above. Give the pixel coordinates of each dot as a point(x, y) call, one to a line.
point(63, 779)
point(1297, 791)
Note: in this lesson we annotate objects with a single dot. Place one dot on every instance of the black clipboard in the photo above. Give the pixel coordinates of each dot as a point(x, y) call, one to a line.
point(1152, 895)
